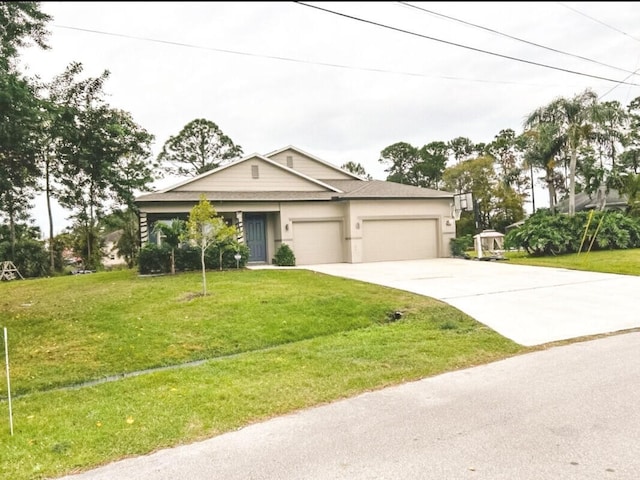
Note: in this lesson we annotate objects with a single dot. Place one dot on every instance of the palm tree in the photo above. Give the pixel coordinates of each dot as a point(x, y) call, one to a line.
point(632, 189)
point(542, 152)
point(611, 123)
point(172, 234)
point(576, 119)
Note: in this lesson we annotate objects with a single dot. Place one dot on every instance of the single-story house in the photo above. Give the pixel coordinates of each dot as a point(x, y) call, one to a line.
point(324, 213)
point(601, 199)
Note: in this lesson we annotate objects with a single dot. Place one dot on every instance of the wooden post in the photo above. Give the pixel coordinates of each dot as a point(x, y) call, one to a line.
point(6, 353)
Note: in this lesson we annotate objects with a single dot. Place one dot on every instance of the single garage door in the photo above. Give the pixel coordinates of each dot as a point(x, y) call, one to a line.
point(318, 242)
point(399, 239)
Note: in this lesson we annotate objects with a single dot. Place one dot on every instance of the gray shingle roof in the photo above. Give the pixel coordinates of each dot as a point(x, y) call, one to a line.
point(194, 196)
point(382, 189)
point(350, 189)
point(585, 201)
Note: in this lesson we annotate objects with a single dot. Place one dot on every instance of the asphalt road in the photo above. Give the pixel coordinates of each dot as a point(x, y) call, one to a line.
point(568, 412)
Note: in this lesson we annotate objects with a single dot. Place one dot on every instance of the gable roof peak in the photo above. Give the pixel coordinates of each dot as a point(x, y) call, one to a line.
point(245, 159)
point(313, 157)
point(211, 172)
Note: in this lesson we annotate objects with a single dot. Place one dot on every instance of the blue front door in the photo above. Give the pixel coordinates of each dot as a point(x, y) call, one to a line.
point(256, 238)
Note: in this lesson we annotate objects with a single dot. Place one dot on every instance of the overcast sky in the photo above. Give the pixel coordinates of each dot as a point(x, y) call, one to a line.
point(346, 79)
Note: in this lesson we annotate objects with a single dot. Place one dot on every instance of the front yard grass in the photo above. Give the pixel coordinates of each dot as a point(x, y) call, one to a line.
point(626, 262)
point(271, 342)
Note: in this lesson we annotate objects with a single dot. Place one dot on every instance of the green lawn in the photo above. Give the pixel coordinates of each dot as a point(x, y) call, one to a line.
point(271, 342)
point(625, 262)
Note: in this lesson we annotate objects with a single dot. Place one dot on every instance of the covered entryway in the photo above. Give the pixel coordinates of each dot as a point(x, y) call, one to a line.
point(399, 239)
point(255, 231)
point(318, 242)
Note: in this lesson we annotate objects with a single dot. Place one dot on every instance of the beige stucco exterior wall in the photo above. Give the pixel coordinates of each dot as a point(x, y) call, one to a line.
point(317, 234)
point(362, 210)
point(304, 211)
point(240, 178)
point(281, 215)
point(272, 232)
point(353, 213)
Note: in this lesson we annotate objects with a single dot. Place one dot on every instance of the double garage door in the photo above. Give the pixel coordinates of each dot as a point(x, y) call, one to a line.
point(399, 239)
point(316, 242)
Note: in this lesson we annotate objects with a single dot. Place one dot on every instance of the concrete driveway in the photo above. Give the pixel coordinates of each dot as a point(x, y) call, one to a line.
point(530, 305)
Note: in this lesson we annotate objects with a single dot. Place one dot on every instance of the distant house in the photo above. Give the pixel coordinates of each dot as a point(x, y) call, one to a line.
point(601, 199)
point(325, 214)
point(110, 254)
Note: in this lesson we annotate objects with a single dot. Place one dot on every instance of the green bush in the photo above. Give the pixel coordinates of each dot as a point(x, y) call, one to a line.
point(188, 258)
point(284, 257)
point(31, 257)
point(212, 256)
point(546, 234)
point(461, 244)
point(154, 259)
point(615, 230)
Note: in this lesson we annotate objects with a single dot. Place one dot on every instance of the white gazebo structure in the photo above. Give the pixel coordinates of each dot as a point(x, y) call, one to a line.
point(489, 242)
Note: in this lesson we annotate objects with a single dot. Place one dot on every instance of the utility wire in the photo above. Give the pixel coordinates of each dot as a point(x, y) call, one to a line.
point(616, 86)
point(598, 21)
point(612, 28)
point(515, 38)
point(286, 59)
point(465, 46)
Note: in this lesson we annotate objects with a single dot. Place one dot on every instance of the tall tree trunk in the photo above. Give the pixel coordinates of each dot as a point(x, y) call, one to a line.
point(533, 193)
point(47, 190)
point(12, 234)
point(88, 233)
point(551, 188)
point(572, 182)
point(204, 272)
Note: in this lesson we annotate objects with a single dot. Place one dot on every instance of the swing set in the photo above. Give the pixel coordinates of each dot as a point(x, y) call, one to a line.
point(8, 271)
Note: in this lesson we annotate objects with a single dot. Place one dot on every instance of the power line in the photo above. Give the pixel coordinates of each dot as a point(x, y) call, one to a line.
point(598, 21)
point(286, 59)
point(612, 28)
point(515, 38)
point(508, 57)
point(616, 86)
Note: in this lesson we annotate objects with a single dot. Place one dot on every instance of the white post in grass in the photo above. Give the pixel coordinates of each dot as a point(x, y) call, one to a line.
point(6, 354)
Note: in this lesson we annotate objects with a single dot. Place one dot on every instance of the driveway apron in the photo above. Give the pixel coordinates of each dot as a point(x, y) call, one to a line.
point(530, 305)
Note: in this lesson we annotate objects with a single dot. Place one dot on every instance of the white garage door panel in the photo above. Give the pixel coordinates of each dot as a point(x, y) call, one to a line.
point(388, 240)
point(317, 242)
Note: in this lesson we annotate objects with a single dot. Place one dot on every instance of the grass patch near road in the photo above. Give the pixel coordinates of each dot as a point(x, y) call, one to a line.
point(273, 341)
point(626, 262)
